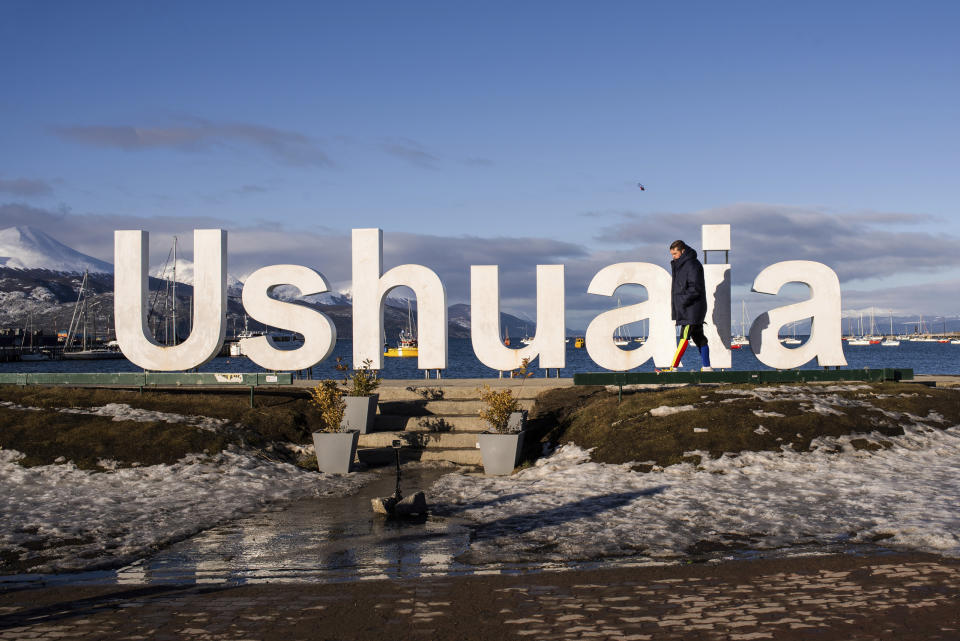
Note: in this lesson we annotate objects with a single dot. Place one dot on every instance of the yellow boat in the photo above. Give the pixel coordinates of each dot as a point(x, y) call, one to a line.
point(407, 348)
point(578, 342)
point(403, 351)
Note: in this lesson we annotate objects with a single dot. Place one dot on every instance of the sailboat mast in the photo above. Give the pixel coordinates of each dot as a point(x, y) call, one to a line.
point(174, 290)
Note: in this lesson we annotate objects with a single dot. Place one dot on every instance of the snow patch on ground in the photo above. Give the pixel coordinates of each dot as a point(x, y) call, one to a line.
point(568, 507)
point(76, 519)
point(10, 405)
point(123, 412)
point(763, 414)
point(666, 410)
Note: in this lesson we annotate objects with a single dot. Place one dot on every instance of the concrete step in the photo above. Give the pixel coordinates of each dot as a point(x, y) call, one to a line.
point(429, 423)
point(387, 455)
point(460, 407)
point(420, 440)
point(461, 456)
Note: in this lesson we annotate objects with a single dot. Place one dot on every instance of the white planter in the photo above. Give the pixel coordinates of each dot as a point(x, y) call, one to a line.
point(500, 452)
point(335, 450)
point(359, 413)
point(517, 421)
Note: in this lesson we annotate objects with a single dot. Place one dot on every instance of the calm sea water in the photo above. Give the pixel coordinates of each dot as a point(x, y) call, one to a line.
point(923, 358)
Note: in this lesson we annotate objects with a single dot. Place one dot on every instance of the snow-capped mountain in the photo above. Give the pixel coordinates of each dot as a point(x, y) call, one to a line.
point(184, 274)
point(24, 247)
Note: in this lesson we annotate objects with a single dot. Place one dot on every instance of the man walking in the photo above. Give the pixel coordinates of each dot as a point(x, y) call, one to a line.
point(688, 302)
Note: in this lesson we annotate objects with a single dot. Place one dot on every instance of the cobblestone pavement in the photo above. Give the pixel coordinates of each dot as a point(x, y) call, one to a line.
point(829, 597)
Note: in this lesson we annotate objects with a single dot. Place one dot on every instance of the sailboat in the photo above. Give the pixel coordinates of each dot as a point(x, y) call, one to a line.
point(860, 339)
point(618, 338)
point(890, 341)
point(78, 328)
point(29, 352)
point(741, 339)
point(643, 332)
point(407, 346)
point(792, 340)
point(527, 339)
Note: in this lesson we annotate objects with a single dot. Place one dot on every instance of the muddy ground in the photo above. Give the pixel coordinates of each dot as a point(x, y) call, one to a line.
point(652, 426)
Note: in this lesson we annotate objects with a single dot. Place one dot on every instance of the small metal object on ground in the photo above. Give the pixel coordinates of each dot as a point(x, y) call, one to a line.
point(397, 505)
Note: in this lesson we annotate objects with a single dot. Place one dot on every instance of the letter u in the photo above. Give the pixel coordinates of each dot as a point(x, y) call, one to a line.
point(548, 342)
point(131, 301)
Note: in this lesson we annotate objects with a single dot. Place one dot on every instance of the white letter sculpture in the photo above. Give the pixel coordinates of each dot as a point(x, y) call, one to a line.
point(823, 306)
point(131, 295)
point(661, 343)
point(549, 342)
point(370, 290)
point(319, 332)
point(716, 326)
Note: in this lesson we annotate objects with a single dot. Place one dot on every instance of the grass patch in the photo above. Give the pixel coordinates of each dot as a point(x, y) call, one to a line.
point(45, 435)
point(722, 422)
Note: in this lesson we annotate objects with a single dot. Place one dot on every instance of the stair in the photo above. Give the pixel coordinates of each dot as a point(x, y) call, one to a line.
point(437, 421)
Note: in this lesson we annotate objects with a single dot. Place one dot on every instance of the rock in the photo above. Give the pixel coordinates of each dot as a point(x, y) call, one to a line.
point(413, 504)
point(383, 505)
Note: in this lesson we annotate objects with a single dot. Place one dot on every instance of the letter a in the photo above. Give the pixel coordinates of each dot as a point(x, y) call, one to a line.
point(662, 340)
point(823, 306)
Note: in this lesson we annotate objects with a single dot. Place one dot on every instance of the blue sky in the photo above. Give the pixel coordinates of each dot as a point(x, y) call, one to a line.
point(524, 125)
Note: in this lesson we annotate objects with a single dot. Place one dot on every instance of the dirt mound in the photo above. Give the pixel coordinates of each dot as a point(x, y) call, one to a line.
point(663, 426)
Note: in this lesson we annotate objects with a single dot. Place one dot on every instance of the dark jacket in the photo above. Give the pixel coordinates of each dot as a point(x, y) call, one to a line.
point(688, 295)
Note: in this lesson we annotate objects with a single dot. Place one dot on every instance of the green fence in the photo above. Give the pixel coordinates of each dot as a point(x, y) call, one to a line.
point(148, 379)
point(742, 376)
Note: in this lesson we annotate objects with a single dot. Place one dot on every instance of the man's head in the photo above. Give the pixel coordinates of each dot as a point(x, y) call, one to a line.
point(677, 248)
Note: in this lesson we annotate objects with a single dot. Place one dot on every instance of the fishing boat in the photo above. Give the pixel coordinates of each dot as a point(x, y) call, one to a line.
point(407, 346)
point(578, 342)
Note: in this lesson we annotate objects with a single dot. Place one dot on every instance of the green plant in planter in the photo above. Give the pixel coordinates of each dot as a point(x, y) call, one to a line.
point(359, 382)
point(327, 397)
point(500, 404)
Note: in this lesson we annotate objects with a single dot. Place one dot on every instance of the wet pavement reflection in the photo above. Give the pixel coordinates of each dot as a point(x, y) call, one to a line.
point(320, 539)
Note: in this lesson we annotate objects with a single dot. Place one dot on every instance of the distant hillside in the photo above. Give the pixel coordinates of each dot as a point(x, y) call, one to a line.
point(40, 281)
point(28, 248)
point(49, 297)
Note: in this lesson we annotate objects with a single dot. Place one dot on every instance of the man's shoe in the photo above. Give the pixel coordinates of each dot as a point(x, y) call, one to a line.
point(706, 369)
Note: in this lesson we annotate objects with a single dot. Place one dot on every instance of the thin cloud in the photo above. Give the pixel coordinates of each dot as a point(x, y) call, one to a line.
point(479, 162)
point(286, 147)
point(411, 152)
point(25, 187)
